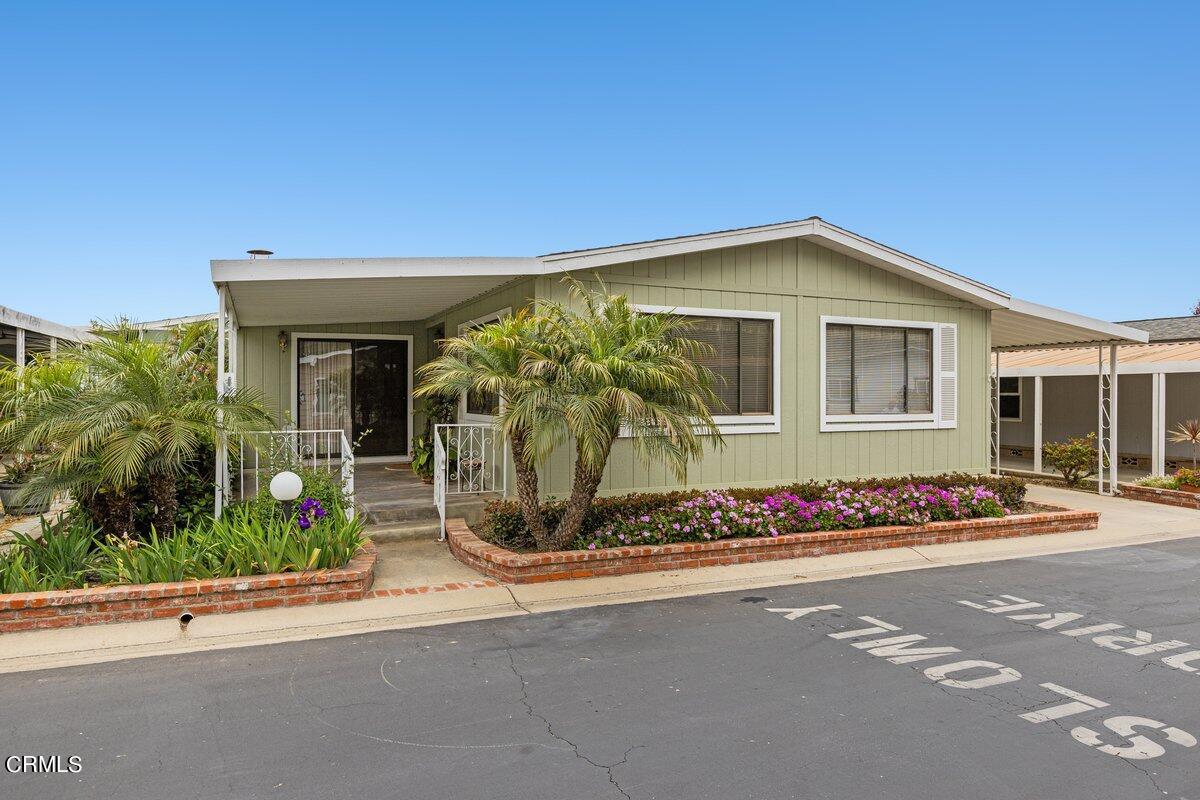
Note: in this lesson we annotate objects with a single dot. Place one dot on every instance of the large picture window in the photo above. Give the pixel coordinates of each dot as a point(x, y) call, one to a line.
point(888, 374)
point(745, 352)
point(873, 369)
point(742, 356)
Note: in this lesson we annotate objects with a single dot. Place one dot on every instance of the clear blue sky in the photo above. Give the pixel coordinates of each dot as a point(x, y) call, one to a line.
point(1048, 149)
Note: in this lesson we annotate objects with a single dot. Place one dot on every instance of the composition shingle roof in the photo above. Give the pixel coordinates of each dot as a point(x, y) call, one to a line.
point(1169, 329)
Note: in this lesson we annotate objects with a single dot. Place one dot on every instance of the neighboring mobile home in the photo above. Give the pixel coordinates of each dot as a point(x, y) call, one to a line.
point(842, 357)
point(1051, 396)
point(22, 336)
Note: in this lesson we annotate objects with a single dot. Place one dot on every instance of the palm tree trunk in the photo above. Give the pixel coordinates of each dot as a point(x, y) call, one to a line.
point(583, 491)
point(528, 495)
point(161, 486)
point(112, 510)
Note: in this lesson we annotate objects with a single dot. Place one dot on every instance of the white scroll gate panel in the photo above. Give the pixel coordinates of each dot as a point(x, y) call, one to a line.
point(260, 455)
point(467, 459)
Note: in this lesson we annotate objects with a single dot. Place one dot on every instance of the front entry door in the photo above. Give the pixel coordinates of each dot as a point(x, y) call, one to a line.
point(358, 386)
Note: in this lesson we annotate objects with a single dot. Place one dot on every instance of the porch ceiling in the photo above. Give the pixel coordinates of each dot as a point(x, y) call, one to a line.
point(340, 300)
point(1025, 325)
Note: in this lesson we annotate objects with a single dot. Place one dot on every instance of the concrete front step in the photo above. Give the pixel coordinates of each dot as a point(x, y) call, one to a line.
point(404, 531)
point(383, 513)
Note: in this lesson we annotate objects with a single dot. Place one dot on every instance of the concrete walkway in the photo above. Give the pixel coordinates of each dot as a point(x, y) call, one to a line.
point(1123, 522)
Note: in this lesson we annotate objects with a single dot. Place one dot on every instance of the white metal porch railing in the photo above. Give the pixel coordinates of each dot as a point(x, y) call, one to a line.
point(467, 459)
point(261, 455)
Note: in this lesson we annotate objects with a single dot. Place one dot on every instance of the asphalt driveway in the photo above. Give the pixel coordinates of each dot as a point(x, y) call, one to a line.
point(1067, 676)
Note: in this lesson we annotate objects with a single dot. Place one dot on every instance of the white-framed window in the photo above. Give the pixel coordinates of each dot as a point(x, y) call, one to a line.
point(1010, 399)
point(745, 357)
point(480, 406)
point(883, 374)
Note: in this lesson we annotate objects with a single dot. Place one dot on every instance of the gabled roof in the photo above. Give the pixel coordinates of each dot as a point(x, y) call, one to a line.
point(271, 291)
point(813, 228)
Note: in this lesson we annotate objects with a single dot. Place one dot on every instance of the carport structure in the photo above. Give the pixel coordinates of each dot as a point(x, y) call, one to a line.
point(1028, 332)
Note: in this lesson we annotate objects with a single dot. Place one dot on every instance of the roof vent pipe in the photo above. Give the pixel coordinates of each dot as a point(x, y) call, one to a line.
point(254, 254)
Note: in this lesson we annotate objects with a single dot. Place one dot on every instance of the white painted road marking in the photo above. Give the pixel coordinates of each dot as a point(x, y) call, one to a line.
point(974, 674)
point(1134, 643)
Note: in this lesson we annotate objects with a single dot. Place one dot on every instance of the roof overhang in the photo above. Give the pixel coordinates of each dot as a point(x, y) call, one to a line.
point(18, 319)
point(814, 229)
point(333, 290)
point(339, 290)
point(1032, 326)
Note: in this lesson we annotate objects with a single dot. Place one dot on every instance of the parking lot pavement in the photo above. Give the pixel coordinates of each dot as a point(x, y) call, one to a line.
point(1065, 676)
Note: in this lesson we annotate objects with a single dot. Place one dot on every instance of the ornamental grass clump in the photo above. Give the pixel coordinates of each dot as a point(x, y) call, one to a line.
point(718, 515)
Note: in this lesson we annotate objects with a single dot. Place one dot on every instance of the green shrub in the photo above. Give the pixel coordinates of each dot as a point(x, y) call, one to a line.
point(243, 542)
point(1075, 458)
point(1191, 477)
point(62, 558)
point(319, 484)
point(187, 554)
point(503, 525)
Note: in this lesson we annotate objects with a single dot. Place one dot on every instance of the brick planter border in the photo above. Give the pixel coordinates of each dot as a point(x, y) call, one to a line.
point(510, 567)
point(1167, 497)
point(128, 603)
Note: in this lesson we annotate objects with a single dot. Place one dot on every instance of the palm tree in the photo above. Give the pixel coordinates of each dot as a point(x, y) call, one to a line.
point(497, 358)
point(612, 370)
point(143, 411)
point(1187, 433)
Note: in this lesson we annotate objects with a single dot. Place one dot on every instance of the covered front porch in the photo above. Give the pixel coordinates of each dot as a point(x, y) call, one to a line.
point(333, 347)
point(1018, 421)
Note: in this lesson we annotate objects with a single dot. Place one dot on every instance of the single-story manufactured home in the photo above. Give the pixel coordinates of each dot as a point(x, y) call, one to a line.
point(1051, 396)
point(841, 356)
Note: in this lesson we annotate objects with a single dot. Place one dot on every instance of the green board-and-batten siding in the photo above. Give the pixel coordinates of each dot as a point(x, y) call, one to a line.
point(802, 282)
point(799, 280)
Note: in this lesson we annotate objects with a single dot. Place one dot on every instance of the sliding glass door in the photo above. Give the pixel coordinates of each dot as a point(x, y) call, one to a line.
point(357, 386)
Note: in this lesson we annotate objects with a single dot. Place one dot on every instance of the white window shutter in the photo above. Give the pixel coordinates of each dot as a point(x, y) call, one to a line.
point(948, 376)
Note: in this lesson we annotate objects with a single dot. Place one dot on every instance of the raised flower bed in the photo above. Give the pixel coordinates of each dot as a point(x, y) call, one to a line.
point(130, 603)
point(718, 529)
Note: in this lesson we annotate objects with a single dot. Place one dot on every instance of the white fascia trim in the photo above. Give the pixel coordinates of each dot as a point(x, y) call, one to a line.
point(1105, 331)
point(913, 268)
point(298, 269)
point(28, 322)
point(661, 248)
point(487, 419)
point(742, 423)
point(831, 235)
point(354, 337)
point(1135, 368)
point(882, 422)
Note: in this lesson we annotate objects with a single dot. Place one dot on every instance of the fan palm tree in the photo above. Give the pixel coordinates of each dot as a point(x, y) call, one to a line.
point(612, 370)
point(142, 411)
point(1187, 433)
point(497, 359)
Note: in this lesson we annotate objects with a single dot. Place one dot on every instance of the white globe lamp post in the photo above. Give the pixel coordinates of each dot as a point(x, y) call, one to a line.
point(286, 487)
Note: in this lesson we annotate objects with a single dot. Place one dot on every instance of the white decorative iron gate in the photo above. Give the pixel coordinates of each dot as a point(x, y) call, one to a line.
point(467, 459)
point(260, 455)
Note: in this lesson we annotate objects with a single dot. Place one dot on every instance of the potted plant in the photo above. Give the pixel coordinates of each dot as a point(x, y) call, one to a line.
point(1188, 480)
point(422, 458)
point(16, 475)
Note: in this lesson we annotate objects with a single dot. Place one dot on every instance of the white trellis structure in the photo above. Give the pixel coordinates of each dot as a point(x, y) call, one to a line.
point(1106, 418)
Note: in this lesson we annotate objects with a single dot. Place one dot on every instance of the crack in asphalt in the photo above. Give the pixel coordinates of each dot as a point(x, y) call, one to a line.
point(529, 709)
